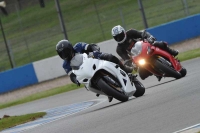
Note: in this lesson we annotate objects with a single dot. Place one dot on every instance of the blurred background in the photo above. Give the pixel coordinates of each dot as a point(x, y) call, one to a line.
point(30, 29)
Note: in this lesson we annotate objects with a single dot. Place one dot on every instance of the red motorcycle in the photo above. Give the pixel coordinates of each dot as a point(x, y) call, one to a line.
point(155, 60)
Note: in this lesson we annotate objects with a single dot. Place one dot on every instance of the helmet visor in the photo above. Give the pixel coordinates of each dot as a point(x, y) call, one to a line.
point(119, 37)
point(66, 54)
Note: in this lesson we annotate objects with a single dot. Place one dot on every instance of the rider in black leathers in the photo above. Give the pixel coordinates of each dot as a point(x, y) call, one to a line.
point(127, 39)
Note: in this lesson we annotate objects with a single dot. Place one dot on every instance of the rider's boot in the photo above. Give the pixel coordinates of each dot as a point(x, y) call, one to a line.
point(126, 68)
point(163, 45)
point(172, 51)
point(132, 77)
point(114, 59)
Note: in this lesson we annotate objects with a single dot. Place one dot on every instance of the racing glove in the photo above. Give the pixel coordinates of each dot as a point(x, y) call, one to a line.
point(73, 79)
point(93, 47)
point(128, 63)
point(150, 38)
point(95, 54)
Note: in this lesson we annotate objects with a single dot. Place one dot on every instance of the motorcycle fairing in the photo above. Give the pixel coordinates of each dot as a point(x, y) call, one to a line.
point(87, 70)
point(141, 47)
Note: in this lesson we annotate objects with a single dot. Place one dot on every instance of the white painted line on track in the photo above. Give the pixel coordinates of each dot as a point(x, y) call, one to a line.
point(191, 129)
point(56, 114)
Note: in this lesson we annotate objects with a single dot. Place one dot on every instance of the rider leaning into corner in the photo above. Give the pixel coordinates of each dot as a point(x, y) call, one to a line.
point(66, 51)
point(127, 39)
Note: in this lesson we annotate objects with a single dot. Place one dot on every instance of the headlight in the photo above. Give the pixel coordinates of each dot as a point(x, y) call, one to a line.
point(142, 62)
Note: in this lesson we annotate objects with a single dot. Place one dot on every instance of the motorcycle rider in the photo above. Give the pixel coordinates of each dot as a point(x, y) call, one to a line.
point(66, 51)
point(127, 39)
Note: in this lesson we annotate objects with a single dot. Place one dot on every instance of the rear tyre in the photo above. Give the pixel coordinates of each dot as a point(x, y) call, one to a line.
point(110, 91)
point(140, 89)
point(183, 72)
point(169, 71)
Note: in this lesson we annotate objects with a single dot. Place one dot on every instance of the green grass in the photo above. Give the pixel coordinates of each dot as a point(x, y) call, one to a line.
point(33, 32)
point(12, 121)
point(189, 54)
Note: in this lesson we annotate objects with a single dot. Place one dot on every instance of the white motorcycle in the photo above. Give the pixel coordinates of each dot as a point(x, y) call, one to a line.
point(105, 78)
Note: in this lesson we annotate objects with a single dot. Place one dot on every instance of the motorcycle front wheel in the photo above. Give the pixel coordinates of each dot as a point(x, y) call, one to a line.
point(169, 71)
point(110, 91)
point(140, 89)
point(183, 72)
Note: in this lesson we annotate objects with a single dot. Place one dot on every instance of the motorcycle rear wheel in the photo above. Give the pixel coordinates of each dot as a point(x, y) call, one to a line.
point(110, 91)
point(167, 69)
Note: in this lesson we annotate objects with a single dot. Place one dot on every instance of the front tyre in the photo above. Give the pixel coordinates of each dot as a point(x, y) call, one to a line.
point(111, 91)
point(140, 89)
point(183, 72)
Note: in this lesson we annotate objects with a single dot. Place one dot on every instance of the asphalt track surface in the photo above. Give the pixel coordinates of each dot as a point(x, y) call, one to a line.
point(167, 106)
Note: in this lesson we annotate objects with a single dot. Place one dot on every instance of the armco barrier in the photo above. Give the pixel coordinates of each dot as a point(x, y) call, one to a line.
point(178, 30)
point(51, 68)
point(17, 78)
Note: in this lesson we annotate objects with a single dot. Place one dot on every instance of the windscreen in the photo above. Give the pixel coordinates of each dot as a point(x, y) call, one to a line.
point(76, 61)
point(137, 49)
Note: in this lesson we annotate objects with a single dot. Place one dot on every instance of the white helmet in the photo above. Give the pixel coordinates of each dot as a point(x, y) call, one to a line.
point(119, 34)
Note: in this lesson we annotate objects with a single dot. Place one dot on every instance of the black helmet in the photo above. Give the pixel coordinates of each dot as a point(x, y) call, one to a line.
point(65, 50)
point(118, 33)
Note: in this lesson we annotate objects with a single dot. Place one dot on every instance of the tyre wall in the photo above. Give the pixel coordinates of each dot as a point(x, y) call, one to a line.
point(50, 68)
